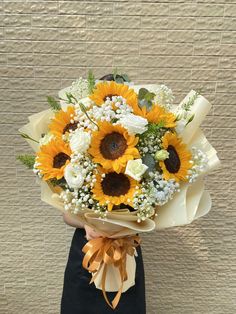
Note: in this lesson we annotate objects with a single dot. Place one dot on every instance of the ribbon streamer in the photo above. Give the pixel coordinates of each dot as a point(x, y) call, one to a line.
point(106, 251)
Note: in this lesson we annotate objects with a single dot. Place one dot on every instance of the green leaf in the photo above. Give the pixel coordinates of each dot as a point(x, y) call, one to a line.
point(69, 97)
point(55, 105)
point(91, 81)
point(27, 160)
point(145, 103)
point(149, 96)
point(61, 182)
point(149, 161)
point(119, 80)
point(142, 92)
point(145, 98)
point(155, 127)
point(115, 73)
point(125, 77)
point(190, 119)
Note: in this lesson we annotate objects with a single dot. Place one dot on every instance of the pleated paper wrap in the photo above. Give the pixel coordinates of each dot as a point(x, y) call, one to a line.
point(189, 204)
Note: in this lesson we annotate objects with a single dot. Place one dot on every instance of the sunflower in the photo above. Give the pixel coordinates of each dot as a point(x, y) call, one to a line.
point(112, 188)
point(53, 158)
point(178, 163)
point(61, 123)
point(109, 89)
point(157, 114)
point(112, 146)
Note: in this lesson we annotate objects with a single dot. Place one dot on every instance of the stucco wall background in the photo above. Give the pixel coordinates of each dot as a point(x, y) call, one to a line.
point(45, 45)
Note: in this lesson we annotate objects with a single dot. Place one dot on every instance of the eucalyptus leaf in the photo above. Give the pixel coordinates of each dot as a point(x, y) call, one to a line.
point(142, 92)
point(149, 96)
point(149, 161)
point(145, 103)
point(125, 77)
point(119, 80)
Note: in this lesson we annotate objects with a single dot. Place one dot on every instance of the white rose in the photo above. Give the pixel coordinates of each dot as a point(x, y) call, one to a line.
point(135, 169)
point(80, 141)
point(73, 176)
point(134, 124)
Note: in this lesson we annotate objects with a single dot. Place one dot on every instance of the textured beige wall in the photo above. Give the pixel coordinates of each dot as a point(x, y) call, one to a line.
point(44, 45)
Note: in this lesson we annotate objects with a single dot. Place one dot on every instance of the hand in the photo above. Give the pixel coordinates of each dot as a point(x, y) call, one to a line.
point(91, 233)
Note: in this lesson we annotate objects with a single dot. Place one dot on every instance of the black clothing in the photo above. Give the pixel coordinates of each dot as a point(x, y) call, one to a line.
point(80, 297)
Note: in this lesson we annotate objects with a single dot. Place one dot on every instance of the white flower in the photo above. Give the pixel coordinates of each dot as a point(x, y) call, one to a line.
point(80, 141)
point(134, 124)
point(46, 139)
point(135, 169)
point(73, 176)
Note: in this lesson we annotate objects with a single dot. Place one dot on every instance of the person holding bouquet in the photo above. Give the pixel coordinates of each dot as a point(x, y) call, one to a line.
point(80, 297)
point(118, 160)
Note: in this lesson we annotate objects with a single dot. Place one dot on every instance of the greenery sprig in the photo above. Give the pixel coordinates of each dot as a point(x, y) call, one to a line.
point(27, 137)
point(27, 160)
point(91, 81)
point(54, 104)
point(153, 129)
point(187, 105)
point(74, 101)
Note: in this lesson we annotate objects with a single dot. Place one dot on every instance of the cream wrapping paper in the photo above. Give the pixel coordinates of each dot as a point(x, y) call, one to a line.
point(191, 203)
point(38, 125)
point(119, 224)
point(199, 109)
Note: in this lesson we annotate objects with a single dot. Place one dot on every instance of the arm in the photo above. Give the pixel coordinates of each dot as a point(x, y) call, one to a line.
point(72, 221)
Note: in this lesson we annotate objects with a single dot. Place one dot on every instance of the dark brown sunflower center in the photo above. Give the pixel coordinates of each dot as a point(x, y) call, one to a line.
point(109, 96)
point(113, 146)
point(172, 163)
point(115, 184)
point(59, 160)
point(70, 126)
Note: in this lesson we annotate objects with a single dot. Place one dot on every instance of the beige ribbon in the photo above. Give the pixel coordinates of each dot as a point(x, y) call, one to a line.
point(106, 251)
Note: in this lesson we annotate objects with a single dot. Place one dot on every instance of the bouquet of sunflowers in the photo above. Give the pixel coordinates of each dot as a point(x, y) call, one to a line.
point(123, 159)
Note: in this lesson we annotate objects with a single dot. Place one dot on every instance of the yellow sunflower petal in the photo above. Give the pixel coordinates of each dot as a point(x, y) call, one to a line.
point(114, 189)
point(109, 89)
point(52, 159)
point(177, 165)
point(61, 124)
point(112, 146)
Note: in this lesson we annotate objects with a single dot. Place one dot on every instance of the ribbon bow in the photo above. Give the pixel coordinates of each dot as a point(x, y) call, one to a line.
point(106, 251)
